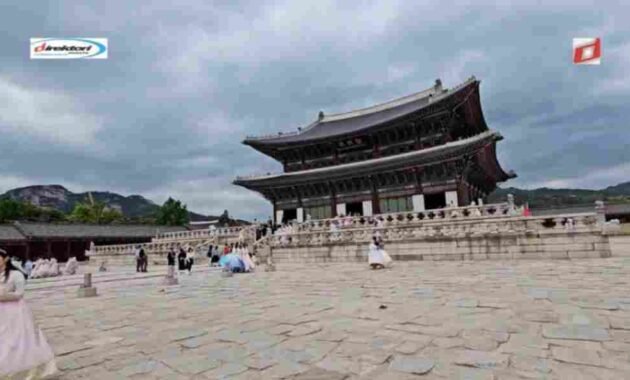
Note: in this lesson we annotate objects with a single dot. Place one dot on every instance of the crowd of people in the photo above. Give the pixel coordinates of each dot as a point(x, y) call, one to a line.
point(234, 257)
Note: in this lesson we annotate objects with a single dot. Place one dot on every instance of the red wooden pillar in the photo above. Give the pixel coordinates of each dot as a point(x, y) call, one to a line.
point(68, 249)
point(48, 249)
point(333, 200)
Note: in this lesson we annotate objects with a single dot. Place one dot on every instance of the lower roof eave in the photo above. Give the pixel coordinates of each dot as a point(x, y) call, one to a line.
point(426, 156)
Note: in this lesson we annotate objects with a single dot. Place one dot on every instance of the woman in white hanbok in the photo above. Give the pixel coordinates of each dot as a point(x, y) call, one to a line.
point(377, 256)
point(247, 260)
point(24, 352)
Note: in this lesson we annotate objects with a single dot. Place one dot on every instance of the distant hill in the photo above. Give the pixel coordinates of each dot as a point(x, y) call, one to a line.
point(549, 198)
point(59, 198)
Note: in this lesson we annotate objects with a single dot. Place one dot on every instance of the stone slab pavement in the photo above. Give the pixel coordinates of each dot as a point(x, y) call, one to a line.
point(428, 320)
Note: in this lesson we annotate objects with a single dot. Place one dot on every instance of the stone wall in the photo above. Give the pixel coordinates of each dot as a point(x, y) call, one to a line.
point(559, 237)
point(514, 246)
point(620, 245)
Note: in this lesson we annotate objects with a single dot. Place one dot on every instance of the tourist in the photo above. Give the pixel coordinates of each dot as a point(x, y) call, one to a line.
point(170, 262)
point(28, 267)
point(232, 263)
point(181, 260)
point(71, 267)
point(216, 255)
point(190, 259)
point(377, 256)
point(247, 259)
point(138, 259)
point(144, 260)
point(24, 351)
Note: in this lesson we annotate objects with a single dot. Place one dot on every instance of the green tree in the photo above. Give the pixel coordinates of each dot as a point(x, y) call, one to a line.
point(10, 210)
point(172, 213)
point(95, 212)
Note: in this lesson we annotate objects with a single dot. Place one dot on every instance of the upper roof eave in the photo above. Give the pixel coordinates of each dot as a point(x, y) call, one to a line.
point(357, 120)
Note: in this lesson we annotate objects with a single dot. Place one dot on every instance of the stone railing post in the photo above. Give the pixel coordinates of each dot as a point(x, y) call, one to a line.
point(600, 209)
point(87, 290)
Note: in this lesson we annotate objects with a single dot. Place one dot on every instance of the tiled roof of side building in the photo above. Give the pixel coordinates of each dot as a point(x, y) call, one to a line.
point(349, 122)
point(95, 231)
point(9, 233)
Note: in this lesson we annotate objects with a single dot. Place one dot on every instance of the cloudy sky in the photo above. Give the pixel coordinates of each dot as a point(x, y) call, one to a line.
point(184, 84)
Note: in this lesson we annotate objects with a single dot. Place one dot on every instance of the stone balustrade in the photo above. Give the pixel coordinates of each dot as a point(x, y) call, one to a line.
point(417, 226)
point(410, 217)
point(482, 237)
point(197, 234)
point(123, 254)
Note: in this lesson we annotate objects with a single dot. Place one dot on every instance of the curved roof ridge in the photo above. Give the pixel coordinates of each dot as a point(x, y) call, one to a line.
point(380, 107)
point(428, 96)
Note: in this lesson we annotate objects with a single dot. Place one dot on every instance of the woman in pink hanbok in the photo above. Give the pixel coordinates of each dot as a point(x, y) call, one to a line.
point(24, 352)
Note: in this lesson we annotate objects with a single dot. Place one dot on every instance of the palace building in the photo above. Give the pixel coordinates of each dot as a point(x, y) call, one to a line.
point(424, 151)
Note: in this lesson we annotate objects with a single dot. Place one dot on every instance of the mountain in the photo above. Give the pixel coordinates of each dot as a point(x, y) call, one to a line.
point(550, 198)
point(59, 198)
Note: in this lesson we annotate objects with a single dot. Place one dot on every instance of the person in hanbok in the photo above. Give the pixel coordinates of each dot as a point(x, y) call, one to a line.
point(377, 256)
point(24, 351)
point(232, 263)
point(247, 259)
point(190, 259)
point(71, 267)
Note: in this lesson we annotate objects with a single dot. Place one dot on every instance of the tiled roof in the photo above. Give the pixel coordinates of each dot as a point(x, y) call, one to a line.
point(341, 124)
point(43, 230)
point(428, 155)
point(10, 233)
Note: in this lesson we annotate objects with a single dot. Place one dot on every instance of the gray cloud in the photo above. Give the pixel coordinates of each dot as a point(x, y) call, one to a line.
point(184, 84)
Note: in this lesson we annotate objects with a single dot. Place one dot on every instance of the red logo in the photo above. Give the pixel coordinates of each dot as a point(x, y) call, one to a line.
point(40, 48)
point(587, 51)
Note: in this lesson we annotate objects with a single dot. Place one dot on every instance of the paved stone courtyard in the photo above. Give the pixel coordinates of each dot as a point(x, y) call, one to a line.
point(452, 320)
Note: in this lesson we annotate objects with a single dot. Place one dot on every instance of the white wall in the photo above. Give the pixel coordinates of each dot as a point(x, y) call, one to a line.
point(300, 214)
point(367, 208)
point(341, 208)
point(279, 215)
point(451, 196)
point(418, 202)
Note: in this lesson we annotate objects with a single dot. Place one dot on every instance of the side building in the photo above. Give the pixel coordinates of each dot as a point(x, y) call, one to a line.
point(424, 151)
point(63, 241)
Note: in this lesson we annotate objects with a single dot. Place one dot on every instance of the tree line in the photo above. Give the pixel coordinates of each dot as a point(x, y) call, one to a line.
point(171, 213)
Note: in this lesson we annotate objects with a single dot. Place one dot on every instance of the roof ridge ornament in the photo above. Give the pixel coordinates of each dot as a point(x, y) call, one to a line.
point(320, 116)
point(438, 85)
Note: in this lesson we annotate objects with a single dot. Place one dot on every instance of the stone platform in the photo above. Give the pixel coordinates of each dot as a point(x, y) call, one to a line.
point(546, 319)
